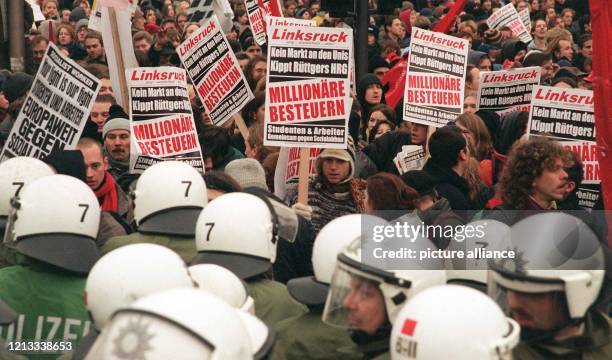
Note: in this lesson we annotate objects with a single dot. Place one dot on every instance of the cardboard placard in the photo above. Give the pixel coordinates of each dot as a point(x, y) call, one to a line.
point(435, 78)
point(162, 125)
point(508, 90)
point(308, 93)
point(508, 16)
point(214, 69)
point(56, 110)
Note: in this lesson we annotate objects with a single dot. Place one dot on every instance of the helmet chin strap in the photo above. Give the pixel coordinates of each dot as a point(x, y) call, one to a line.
point(530, 335)
point(360, 337)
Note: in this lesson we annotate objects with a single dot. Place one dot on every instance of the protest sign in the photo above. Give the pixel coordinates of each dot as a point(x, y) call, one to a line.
point(270, 8)
point(524, 15)
point(214, 69)
point(508, 90)
point(274, 21)
point(162, 126)
point(562, 114)
point(256, 19)
point(435, 79)
point(202, 10)
point(590, 188)
point(286, 173)
point(412, 157)
point(54, 114)
point(307, 95)
point(509, 17)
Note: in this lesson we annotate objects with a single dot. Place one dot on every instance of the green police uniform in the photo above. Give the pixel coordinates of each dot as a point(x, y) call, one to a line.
point(307, 337)
point(184, 246)
point(594, 344)
point(272, 301)
point(48, 302)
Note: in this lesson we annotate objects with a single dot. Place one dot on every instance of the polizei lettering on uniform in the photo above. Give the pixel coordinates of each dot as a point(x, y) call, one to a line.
point(142, 74)
point(306, 35)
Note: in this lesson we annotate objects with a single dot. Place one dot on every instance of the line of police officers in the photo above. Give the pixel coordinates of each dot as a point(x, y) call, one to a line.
point(140, 300)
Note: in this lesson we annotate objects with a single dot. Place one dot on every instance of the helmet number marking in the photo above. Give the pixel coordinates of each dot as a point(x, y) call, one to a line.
point(188, 182)
point(19, 185)
point(210, 225)
point(85, 208)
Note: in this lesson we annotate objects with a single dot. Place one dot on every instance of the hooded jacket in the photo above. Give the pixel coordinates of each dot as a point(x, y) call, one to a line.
point(450, 186)
point(364, 82)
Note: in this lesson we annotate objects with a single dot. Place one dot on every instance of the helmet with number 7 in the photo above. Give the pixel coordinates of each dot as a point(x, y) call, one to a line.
point(168, 199)
point(15, 173)
point(453, 322)
point(238, 231)
point(55, 219)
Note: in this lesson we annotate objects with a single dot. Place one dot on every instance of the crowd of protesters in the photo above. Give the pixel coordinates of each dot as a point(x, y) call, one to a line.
point(481, 166)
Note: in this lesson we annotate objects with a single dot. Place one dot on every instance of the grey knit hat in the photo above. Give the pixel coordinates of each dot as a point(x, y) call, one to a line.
point(117, 120)
point(247, 173)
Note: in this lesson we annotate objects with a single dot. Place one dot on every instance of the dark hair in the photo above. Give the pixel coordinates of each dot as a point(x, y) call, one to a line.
point(105, 98)
point(445, 145)
point(388, 192)
point(241, 55)
point(525, 164)
point(536, 58)
point(584, 38)
point(250, 109)
point(571, 82)
point(372, 134)
point(248, 69)
point(215, 142)
point(218, 180)
point(574, 169)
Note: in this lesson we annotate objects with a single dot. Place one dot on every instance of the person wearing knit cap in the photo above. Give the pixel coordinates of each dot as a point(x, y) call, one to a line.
point(17, 85)
point(247, 173)
point(369, 93)
point(75, 15)
point(116, 135)
point(493, 37)
point(334, 192)
point(378, 66)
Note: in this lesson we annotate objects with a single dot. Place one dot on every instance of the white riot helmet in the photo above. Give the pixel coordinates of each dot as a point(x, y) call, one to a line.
point(15, 173)
point(262, 337)
point(331, 240)
point(129, 273)
point(223, 283)
point(188, 322)
point(360, 272)
point(168, 199)
point(55, 219)
point(240, 232)
point(453, 322)
point(478, 239)
point(555, 254)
